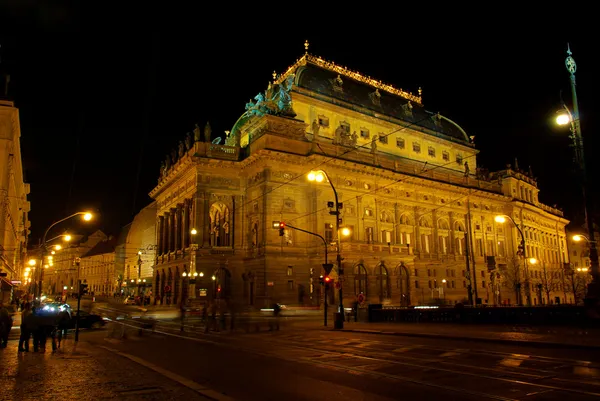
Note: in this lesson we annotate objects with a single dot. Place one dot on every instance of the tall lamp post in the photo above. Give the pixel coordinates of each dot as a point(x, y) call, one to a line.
point(86, 217)
point(572, 118)
point(502, 219)
point(320, 176)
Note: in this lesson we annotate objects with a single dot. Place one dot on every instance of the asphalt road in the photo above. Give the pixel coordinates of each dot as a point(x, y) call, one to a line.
point(303, 364)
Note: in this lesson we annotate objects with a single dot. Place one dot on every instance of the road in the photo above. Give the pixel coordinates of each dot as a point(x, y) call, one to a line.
point(300, 363)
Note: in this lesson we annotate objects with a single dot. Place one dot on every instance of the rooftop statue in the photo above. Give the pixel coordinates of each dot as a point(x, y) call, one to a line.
point(275, 101)
point(196, 133)
point(207, 132)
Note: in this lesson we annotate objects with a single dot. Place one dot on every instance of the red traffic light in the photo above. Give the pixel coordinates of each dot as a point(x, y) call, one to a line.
point(281, 224)
point(327, 279)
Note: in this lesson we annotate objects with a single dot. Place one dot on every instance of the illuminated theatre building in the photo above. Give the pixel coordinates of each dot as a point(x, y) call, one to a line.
point(407, 196)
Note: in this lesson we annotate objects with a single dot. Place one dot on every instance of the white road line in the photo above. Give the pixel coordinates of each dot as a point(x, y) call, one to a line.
point(205, 391)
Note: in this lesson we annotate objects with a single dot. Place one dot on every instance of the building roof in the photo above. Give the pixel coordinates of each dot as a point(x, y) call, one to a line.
point(102, 247)
point(328, 79)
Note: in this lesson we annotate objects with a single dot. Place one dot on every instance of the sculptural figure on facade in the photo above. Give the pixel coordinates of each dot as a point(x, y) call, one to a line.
point(374, 144)
point(354, 139)
point(167, 163)
point(181, 150)
point(467, 170)
point(173, 156)
point(196, 133)
point(315, 128)
point(207, 132)
point(188, 141)
point(162, 170)
point(339, 135)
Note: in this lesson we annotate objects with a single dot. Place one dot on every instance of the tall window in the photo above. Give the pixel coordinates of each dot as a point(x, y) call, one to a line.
point(425, 243)
point(489, 250)
point(386, 237)
point(360, 280)
point(383, 283)
point(328, 233)
point(443, 245)
point(369, 235)
point(219, 225)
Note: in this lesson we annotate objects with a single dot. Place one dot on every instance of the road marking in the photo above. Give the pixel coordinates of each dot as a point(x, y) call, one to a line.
point(585, 371)
point(449, 353)
point(205, 391)
point(511, 362)
point(405, 349)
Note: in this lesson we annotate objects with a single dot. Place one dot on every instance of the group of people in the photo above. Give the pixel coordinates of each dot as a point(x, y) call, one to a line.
point(37, 324)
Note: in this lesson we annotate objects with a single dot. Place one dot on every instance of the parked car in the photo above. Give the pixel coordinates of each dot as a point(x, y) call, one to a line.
point(129, 301)
point(88, 321)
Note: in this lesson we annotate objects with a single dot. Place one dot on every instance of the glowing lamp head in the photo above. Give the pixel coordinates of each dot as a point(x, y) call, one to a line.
point(577, 238)
point(31, 262)
point(500, 219)
point(67, 237)
point(194, 231)
point(213, 278)
point(320, 177)
point(533, 261)
point(201, 274)
point(346, 231)
point(87, 216)
point(563, 119)
point(57, 247)
point(184, 274)
point(444, 281)
point(311, 176)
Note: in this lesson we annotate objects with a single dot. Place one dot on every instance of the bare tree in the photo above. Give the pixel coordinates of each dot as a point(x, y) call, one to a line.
point(510, 277)
point(547, 281)
point(577, 284)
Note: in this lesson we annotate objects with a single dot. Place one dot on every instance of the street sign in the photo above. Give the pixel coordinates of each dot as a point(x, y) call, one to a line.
point(327, 267)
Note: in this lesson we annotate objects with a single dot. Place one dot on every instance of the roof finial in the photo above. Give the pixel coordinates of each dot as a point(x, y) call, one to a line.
point(274, 76)
point(569, 49)
point(306, 46)
point(516, 164)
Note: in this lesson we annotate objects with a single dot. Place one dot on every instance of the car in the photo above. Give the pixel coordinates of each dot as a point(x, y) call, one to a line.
point(129, 301)
point(56, 307)
point(88, 321)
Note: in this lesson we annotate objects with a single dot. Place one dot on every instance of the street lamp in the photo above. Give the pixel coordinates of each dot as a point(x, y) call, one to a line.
point(580, 237)
point(501, 219)
point(320, 176)
point(572, 118)
point(87, 216)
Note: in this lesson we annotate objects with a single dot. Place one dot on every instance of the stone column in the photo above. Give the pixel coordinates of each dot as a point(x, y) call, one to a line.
point(434, 233)
point(397, 233)
point(178, 227)
point(167, 234)
point(159, 236)
point(360, 215)
point(186, 224)
point(452, 245)
point(172, 219)
point(205, 221)
point(417, 245)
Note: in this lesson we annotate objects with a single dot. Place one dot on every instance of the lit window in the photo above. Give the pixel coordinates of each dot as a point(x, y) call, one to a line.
point(364, 133)
point(368, 212)
point(383, 138)
point(290, 271)
point(400, 143)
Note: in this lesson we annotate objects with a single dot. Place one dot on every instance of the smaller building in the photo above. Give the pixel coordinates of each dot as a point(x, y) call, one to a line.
point(97, 268)
point(139, 253)
point(578, 272)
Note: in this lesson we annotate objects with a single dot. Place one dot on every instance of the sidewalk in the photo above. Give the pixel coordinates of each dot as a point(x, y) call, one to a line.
point(82, 372)
point(554, 337)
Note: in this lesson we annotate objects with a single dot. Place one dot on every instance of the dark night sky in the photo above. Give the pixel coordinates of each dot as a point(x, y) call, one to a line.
point(98, 89)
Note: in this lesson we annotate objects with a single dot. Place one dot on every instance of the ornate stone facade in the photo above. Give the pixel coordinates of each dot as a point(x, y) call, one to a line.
point(414, 208)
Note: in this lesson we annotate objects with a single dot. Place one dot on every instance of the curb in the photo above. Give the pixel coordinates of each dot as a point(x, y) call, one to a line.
point(529, 343)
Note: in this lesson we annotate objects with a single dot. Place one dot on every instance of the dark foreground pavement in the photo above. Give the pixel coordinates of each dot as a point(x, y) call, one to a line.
point(303, 361)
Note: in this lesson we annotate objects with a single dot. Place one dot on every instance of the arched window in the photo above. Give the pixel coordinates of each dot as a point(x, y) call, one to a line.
point(383, 283)
point(220, 225)
point(360, 280)
point(443, 224)
point(405, 220)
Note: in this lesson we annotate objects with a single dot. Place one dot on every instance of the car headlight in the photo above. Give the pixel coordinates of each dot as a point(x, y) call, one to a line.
point(51, 309)
point(46, 307)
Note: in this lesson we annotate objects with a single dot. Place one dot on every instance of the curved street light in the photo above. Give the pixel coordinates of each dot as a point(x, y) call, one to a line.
point(501, 219)
point(320, 176)
point(86, 216)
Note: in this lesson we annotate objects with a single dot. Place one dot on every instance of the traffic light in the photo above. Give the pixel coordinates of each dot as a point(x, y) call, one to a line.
point(327, 281)
point(281, 228)
point(321, 280)
point(83, 289)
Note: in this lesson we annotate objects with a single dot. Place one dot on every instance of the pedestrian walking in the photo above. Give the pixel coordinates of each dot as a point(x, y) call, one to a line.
point(26, 322)
point(64, 321)
point(5, 325)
